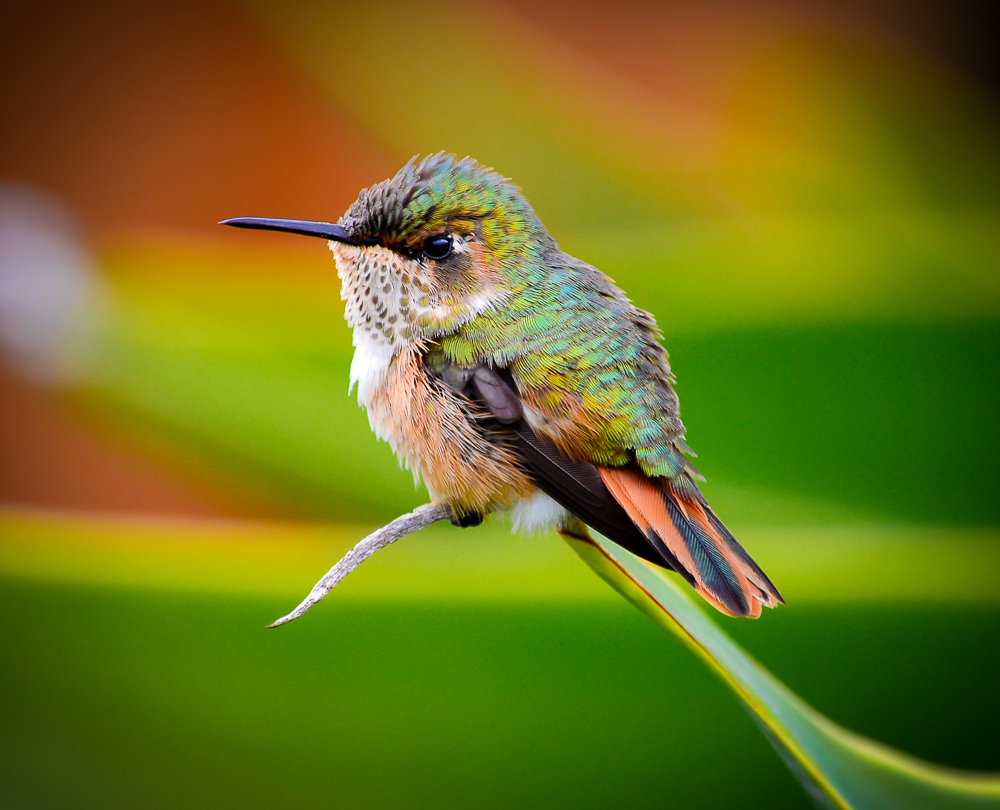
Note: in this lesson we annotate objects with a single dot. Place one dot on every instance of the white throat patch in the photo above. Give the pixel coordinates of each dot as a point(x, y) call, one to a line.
point(392, 301)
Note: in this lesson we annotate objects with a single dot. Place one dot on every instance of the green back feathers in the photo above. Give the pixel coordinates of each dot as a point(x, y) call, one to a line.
point(584, 356)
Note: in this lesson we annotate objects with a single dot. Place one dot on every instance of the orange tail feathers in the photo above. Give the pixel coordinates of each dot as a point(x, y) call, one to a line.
point(677, 521)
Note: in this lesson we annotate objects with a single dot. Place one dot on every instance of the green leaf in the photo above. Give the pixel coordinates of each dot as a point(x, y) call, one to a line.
point(840, 769)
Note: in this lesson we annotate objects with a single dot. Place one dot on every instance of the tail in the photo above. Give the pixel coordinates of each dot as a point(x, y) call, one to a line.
point(674, 517)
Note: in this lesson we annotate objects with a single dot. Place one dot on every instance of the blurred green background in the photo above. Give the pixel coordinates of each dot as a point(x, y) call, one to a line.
point(807, 200)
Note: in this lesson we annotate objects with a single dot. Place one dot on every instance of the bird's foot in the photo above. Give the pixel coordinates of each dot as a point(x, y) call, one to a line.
point(467, 520)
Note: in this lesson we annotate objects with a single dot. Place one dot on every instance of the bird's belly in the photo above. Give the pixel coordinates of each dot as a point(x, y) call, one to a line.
point(436, 434)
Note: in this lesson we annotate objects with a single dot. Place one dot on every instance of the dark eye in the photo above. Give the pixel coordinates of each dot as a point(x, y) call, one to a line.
point(438, 247)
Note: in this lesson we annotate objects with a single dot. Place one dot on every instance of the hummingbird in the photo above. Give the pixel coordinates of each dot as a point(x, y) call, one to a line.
point(513, 377)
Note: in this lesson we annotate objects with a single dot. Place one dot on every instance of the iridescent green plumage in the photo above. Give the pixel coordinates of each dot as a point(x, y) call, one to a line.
point(577, 349)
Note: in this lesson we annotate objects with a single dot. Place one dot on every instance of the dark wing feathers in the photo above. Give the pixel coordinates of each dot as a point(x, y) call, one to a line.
point(655, 519)
point(577, 486)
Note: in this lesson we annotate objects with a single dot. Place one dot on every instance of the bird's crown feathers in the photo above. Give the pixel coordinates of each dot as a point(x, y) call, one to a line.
point(437, 193)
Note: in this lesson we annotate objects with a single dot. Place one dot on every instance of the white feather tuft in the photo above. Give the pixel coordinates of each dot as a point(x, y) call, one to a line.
point(537, 513)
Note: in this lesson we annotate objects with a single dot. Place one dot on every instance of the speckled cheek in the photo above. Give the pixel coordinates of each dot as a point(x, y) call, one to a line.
point(391, 300)
point(378, 287)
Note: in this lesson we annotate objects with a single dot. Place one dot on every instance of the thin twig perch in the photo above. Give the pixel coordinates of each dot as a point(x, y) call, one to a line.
point(419, 518)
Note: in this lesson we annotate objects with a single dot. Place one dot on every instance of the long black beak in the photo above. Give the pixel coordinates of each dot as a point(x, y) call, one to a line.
point(324, 230)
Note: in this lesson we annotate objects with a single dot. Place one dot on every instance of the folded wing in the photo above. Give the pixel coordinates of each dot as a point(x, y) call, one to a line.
point(665, 521)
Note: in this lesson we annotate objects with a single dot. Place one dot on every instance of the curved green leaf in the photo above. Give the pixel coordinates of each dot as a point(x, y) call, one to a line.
point(840, 769)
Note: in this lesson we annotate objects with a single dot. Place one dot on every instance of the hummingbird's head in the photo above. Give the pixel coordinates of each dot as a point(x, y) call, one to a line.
point(427, 250)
